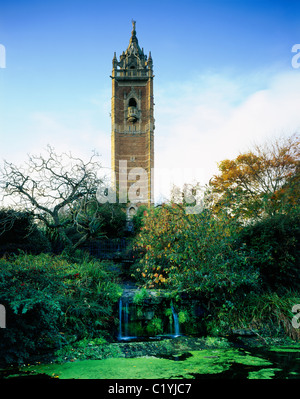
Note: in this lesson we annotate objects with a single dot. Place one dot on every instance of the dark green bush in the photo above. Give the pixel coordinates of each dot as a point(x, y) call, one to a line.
point(18, 232)
point(50, 302)
point(267, 314)
point(274, 246)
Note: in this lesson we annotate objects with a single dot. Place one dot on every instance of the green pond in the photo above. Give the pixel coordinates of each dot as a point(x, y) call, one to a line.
point(227, 363)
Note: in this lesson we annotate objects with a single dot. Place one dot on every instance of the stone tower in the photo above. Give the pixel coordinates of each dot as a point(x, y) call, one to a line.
point(132, 122)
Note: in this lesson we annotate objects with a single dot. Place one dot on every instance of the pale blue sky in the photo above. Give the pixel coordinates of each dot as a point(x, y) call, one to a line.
point(223, 75)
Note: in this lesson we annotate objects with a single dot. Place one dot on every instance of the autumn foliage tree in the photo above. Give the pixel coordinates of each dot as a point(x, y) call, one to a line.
point(210, 252)
point(194, 254)
point(261, 182)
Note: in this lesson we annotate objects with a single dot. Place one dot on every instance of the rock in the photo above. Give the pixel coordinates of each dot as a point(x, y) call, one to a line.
point(243, 332)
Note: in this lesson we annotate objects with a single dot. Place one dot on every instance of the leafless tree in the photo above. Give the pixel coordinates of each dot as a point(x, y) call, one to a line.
point(59, 189)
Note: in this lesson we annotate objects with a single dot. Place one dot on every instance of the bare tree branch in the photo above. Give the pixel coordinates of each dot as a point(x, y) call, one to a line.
point(50, 184)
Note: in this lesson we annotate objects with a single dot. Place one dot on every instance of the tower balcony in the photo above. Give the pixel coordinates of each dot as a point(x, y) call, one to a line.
point(132, 114)
point(131, 73)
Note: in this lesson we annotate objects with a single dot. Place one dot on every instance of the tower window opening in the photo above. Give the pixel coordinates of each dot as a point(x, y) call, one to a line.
point(132, 102)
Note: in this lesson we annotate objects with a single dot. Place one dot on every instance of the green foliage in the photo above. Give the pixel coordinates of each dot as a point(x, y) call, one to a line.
point(274, 246)
point(140, 296)
point(183, 317)
point(50, 302)
point(113, 219)
point(241, 273)
point(267, 314)
point(97, 348)
point(155, 326)
point(18, 232)
point(138, 218)
point(192, 254)
point(217, 342)
point(97, 221)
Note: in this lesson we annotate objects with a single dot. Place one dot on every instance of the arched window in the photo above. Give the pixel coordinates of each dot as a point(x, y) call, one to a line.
point(132, 103)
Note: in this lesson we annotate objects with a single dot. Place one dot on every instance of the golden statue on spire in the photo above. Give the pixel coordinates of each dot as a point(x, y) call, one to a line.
point(133, 26)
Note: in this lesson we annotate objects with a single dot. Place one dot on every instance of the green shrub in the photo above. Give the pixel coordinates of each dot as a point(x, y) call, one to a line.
point(274, 247)
point(192, 254)
point(18, 232)
point(155, 326)
point(50, 302)
point(268, 313)
point(140, 296)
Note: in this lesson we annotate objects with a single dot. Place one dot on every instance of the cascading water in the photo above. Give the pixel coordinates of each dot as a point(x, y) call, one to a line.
point(176, 322)
point(126, 318)
point(120, 319)
point(124, 321)
point(138, 324)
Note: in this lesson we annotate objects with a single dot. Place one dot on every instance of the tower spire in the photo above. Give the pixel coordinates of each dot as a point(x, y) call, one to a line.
point(133, 32)
point(133, 42)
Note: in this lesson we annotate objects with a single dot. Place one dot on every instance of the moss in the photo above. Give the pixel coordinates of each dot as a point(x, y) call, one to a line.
point(265, 374)
point(217, 342)
point(201, 362)
point(286, 348)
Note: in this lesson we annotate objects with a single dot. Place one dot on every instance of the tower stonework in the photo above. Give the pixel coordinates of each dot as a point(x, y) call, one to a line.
point(132, 121)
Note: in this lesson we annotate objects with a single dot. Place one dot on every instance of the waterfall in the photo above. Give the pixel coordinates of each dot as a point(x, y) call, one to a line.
point(124, 321)
point(145, 322)
point(176, 322)
point(120, 318)
point(126, 317)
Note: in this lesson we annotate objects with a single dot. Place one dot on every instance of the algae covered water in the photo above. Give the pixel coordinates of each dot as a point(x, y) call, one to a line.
point(224, 363)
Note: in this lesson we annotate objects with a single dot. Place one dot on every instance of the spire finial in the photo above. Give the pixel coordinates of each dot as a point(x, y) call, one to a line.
point(133, 27)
